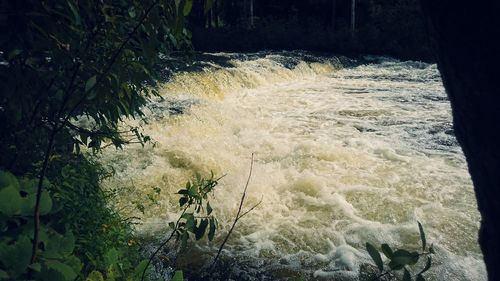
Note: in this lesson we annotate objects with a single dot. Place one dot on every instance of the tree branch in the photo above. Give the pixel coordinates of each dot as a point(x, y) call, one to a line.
point(112, 60)
point(163, 244)
point(238, 216)
point(57, 127)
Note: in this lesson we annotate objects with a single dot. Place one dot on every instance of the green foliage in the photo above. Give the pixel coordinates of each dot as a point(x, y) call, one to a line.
point(402, 259)
point(104, 240)
point(64, 59)
point(71, 71)
point(197, 216)
point(178, 276)
point(57, 261)
point(100, 243)
point(194, 218)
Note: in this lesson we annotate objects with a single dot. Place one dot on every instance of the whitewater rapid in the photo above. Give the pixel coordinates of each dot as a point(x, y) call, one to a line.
point(346, 153)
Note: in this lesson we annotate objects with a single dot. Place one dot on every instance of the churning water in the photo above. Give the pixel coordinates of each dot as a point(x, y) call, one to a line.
point(345, 153)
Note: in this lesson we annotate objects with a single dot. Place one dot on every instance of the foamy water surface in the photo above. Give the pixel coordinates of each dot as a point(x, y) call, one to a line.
point(344, 154)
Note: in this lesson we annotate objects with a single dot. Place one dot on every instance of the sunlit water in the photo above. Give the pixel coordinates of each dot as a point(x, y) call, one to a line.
point(344, 155)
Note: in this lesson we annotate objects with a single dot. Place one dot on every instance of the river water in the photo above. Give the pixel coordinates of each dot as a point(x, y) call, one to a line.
point(346, 152)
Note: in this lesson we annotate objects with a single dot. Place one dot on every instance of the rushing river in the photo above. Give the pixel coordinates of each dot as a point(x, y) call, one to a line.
point(345, 153)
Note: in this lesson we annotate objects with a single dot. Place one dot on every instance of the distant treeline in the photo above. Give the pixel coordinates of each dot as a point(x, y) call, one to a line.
point(387, 27)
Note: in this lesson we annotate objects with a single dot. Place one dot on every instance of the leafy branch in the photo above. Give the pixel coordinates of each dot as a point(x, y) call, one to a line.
point(401, 259)
point(57, 127)
point(196, 215)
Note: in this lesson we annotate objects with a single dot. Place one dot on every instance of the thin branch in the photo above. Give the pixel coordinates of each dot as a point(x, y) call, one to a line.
point(55, 130)
point(252, 208)
point(36, 216)
point(96, 132)
point(163, 244)
point(112, 60)
point(380, 275)
point(238, 216)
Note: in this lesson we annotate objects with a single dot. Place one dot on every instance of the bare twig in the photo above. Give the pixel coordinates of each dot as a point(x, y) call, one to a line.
point(238, 215)
point(378, 277)
point(162, 244)
point(252, 208)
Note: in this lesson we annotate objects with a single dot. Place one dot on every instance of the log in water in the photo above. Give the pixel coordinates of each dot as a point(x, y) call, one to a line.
point(346, 153)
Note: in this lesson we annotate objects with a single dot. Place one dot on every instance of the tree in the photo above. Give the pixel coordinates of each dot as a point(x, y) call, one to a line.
point(63, 61)
point(466, 39)
point(353, 16)
point(333, 16)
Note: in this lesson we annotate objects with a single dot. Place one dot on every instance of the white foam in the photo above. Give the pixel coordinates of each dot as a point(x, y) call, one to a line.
point(342, 158)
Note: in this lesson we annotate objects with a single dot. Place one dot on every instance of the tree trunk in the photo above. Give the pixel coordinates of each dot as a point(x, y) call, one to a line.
point(334, 12)
point(244, 15)
point(466, 39)
point(251, 13)
point(216, 13)
point(353, 16)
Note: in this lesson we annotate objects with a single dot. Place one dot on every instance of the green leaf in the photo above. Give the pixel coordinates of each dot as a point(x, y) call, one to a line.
point(395, 266)
point(200, 230)
point(28, 185)
point(211, 230)
point(139, 269)
point(111, 257)
point(403, 257)
point(427, 265)
point(95, 276)
point(184, 239)
point(208, 5)
point(386, 249)
point(14, 53)
point(7, 179)
point(183, 191)
point(45, 203)
point(57, 271)
point(209, 208)
point(74, 10)
point(190, 222)
point(10, 201)
point(131, 12)
point(406, 275)
point(90, 83)
point(35, 267)
point(183, 201)
point(67, 243)
point(178, 276)
point(422, 236)
point(16, 256)
point(3, 275)
point(59, 246)
point(187, 7)
point(375, 255)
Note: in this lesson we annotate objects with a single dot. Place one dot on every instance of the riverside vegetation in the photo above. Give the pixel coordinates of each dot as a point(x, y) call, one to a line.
point(61, 62)
point(70, 72)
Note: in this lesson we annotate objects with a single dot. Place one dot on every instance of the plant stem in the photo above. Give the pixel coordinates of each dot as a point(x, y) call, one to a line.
point(36, 216)
point(238, 216)
point(112, 61)
point(162, 244)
